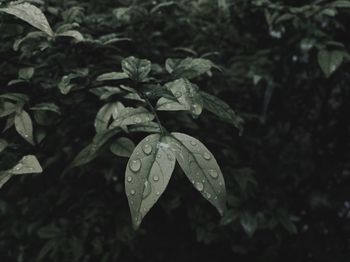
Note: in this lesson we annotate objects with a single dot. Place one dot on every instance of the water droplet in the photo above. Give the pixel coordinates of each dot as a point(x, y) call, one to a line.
point(25, 135)
point(159, 156)
point(137, 120)
point(135, 165)
point(178, 94)
point(147, 139)
point(157, 193)
point(208, 195)
point(213, 173)
point(147, 148)
point(196, 109)
point(129, 179)
point(199, 186)
point(193, 143)
point(132, 192)
point(206, 156)
point(170, 157)
point(220, 183)
point(137, 153)
point(156, 178)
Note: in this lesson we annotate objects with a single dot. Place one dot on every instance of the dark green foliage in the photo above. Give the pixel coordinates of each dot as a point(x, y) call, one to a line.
point(102, 93)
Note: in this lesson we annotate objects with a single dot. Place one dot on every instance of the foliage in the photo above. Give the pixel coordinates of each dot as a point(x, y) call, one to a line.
point(102, 94)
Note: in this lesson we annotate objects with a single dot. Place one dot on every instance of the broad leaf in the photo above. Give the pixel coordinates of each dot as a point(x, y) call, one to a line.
point(105, 114)
point(329, 61)
point(73, 34)
point(46, 107)
point(132, 116)
point(123, 146)
point(24, 126)
point(221, 109)
point(7, 108)
point(187, 68)
point(165, 104)
point(187, 94)
point(30, 14)
point(201, 168)
point(136, 69)
point(112, 76)
point(147, 175)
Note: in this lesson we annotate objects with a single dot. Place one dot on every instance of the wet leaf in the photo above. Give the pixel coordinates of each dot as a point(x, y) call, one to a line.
point(123, 146)
point(30, 14)
point(136, 69)
point(24, 126)
point(112, 76)
point(201, 168)
point(147, 175)
point(187, 68)
point(132, 116)
point(105, 114)
point(329, 61)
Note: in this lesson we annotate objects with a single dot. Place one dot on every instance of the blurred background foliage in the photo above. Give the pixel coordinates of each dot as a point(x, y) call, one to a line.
point(282, 65)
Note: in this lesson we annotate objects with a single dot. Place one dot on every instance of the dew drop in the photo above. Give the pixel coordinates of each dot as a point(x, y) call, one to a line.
point(137, 120)
point(193, 143)
point(155, 178)
point(132, 192)
point(135, 165)
point(213, 173)
point(199, 186)
point(129, 179)
point(26, 136)
point(159, 156)
point(170, 157)
point(147, 139)
point(157, 193)
point(196, 109)
point(178, 94)
point(206, 156)
point(208, 195)
point(147, 148)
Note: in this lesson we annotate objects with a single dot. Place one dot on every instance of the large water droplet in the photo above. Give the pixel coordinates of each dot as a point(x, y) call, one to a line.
point(196, 109)
point(137, 120)
point(147, 148)
point(129, 179)
point(193, 143)
point(135, 165)
point(208, 195)
point(155, 178)
point(178, 94)
point(132, 192)
point(199, 186)
point(213, 173)
point(206, 156)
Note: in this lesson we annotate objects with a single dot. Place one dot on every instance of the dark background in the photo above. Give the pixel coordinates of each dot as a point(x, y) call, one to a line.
point(287, 174)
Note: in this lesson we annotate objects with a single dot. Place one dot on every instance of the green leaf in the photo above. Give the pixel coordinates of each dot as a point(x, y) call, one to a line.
point(165, 104)
point(105, 114)
point(47, 107)
point(148, 127)
point(136, 69)
point(24, 126)
point(249, 223)
point(30, 14)
point(122, 147)
point(7, 108)
point(112, 76)
point(341, 4)
point(201, 168)
point(187, 94)
point(329, 61)
point(26, 73)
point(147, 175)
point(72, 33)
point(187, 68)
point(221, 109)
point(132, 116)
point(27, 165)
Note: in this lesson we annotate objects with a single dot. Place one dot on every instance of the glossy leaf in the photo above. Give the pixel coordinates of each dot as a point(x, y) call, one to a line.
point(187, 68)
point(147, 175)
point(221, 109)
point(165, 104)
point(132, 116)
point(201, 168)
point(105, 114)
point(24, 126)
point(137, 69)
point(73, 34)
point(112, 76)
point(123, 147)
point(329, 61)
point(30, 14)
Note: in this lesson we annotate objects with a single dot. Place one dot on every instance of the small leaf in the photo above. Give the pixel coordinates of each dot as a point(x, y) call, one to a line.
point(105, 114)
point(187, 94)
point(136, 69)
point(122, 147)
point(112, 76)
point(249, 223)
point(222, 110)
point(147, 175)
point(329, 61)
point(72, 33)
point(27, 165)
point(132, 116)
point(47, 107)
point(26, 73)
point(7, 108)
point(165, 104)
point(24, 126)
point(30, 14)
point(187, 68)
point(201, 168)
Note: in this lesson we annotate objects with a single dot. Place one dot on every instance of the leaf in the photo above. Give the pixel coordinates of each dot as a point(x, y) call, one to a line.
point(249, 223)
point(222, 110)
point(26, 73)
point(149, 127)
point(122, 147)
point(3, 144)
point(136, 69)
point(47, 107)
point(24, 126)
point(27, 165)
point(132, 116)
point(165, 104)
point(201, 168)
point(7, 108)
point(147, 175)
point(341, 4)
point(72, 33)
point(329, 61)
point(161, 5)
point(187, 94)
point(112, 76)
point(105, 114)
point(187, 68)
point(30, 14)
